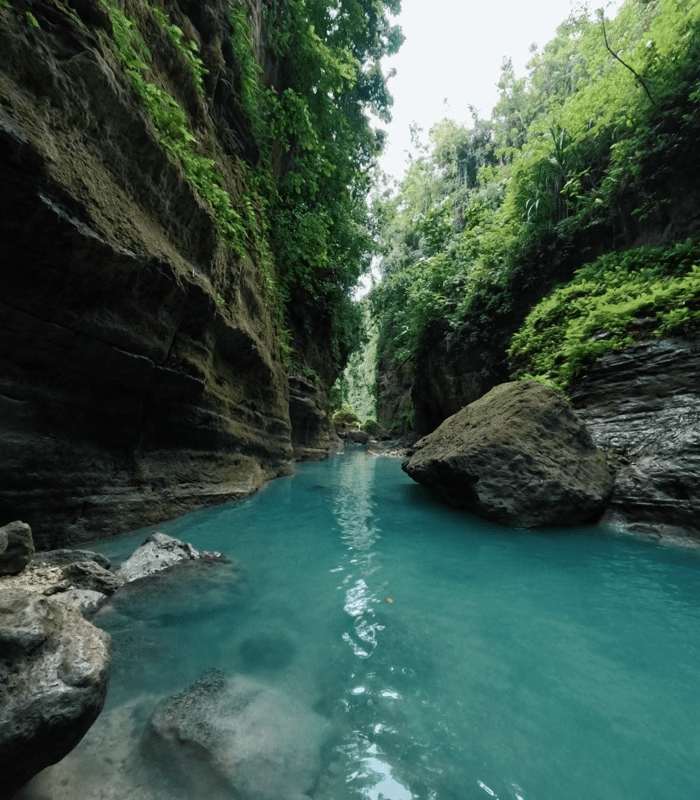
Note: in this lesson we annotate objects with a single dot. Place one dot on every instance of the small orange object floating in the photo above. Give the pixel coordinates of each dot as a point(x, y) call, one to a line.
point(388, 600)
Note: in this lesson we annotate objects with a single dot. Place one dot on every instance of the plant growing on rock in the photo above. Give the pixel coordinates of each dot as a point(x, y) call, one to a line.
point(618, 300)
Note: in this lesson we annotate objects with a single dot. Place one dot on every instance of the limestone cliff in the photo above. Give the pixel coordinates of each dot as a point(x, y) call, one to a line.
point(642, 407)
point(140, 367)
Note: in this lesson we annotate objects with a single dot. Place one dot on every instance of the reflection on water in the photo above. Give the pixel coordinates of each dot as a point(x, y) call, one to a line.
point(353, 511)
point(367, 771)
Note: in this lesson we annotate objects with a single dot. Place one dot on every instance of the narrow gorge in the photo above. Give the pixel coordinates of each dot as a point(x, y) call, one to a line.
point(191, 194)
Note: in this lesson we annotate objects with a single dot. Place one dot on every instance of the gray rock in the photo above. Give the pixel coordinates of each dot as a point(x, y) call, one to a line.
point(237, 738)
point(157, 553)
point(518, 456)
point(54, 669)
point(642, 407)
point(16, 547)
point(85, 601)
point(61, 558)
point(91, 576)
point(358, 437)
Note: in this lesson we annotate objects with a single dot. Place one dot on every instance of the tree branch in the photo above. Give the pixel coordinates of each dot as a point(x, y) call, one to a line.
point(639, 78)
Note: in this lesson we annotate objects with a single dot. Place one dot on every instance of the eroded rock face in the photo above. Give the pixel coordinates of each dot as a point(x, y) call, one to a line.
point(642, 407)
point(129, 392)
point(518, 456)
point(16, 547)
point(235, 737)
point(54, 669)
point(313, 435)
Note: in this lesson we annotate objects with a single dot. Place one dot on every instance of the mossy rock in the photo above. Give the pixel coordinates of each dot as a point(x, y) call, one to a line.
point(518, 456)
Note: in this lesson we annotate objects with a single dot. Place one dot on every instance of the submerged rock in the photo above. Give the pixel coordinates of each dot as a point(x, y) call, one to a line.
point(54, 669)
point(157, 553)
point(518, 456)
point(233, 737)
point(16, 547)
point(267, 650)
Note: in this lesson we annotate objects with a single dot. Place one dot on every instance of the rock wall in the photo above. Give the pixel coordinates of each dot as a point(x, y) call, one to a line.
point(140, 374)
point(642, 406)
point(394, 385)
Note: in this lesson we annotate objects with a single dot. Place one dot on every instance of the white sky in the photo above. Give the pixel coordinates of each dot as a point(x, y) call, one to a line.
point(453, 51)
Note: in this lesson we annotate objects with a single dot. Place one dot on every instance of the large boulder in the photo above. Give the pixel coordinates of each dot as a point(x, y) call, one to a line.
point(518, 456)
point(54, 669)
point(16, 547)
point(234, 737)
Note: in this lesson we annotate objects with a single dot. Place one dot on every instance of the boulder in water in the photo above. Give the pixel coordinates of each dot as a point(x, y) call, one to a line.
point(54, 669)
point(234, 737)
point(157, 553)
point(518, 456)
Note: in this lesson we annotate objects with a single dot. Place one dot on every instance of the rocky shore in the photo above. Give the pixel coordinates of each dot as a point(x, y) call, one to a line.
point(54, 663)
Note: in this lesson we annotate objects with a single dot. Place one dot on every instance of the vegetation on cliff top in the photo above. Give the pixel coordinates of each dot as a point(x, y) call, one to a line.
point(612, 303)
point(490, 217)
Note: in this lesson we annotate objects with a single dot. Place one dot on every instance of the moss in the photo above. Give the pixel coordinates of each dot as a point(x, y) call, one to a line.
point(618, 300)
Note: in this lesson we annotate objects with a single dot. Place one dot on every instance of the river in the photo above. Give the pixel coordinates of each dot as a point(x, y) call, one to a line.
point(510, 664)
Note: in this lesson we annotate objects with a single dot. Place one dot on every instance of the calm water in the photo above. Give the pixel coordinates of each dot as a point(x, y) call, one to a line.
point(512, 664)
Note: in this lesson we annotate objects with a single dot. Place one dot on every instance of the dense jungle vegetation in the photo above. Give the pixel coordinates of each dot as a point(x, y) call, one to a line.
point(556, 189)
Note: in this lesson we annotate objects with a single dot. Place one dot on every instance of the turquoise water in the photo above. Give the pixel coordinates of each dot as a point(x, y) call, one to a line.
point(512, 664)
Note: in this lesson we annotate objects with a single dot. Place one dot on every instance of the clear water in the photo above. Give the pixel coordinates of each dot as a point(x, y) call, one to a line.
point(512, 664)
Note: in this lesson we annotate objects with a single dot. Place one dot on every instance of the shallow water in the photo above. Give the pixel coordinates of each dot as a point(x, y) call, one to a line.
point(520, 665)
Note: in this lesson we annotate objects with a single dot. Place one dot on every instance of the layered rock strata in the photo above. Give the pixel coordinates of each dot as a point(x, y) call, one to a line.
point(642, 407)
point(518, 456)
point(139, 373)
point(313, 434)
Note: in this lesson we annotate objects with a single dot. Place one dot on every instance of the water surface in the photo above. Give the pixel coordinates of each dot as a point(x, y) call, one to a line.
point(511, 664)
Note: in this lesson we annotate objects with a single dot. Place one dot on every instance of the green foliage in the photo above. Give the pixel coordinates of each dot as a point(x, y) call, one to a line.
point(188, 50)
point(326, 147)
point(250, 73)
point(242, 228)
point(32, 20)
point(579, 143)
point(616, 301)
point(306, 372)
point(357, 384)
